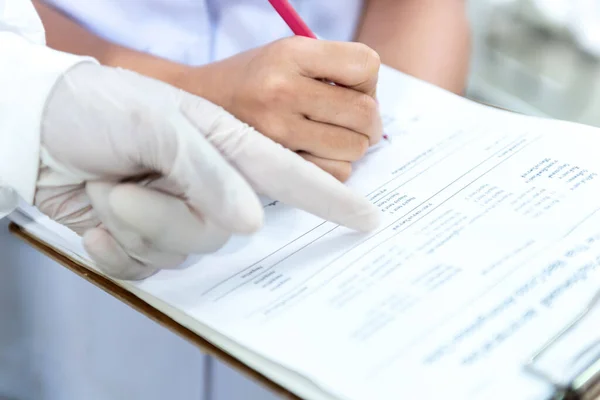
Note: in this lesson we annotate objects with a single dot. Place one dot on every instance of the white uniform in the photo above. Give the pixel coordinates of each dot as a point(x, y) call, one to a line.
point(196, 32)
point(71, 341)
point(28, 71)
point(60, 337)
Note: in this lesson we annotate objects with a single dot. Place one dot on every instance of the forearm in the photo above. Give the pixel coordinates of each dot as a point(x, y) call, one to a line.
point(66, 35)
point(428, 39)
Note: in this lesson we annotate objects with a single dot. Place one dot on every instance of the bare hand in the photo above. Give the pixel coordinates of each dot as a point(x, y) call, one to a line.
point(279, 90)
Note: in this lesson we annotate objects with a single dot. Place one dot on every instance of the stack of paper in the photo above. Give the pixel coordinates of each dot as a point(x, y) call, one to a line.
point(490, 244)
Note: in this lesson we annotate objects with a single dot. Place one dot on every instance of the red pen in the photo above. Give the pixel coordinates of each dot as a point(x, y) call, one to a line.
point(293, 20)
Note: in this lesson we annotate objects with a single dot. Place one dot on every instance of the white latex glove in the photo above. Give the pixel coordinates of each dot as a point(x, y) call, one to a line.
point(105, 130)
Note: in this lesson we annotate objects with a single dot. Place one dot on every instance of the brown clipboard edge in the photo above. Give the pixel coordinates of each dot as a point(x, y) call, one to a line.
point(146, 309)
point(157, 316)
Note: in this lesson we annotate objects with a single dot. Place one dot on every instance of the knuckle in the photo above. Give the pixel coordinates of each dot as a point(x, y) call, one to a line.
point(131, 271)
point(291, 45)
point(276, 89)
point(372, 61)
point(368, 121)
point(136, 246)
point(363, 146)
point(277, 131)
point(172, 261)
point(377, 133)
point(368, 59)
point(342, 171)
point(367, 109)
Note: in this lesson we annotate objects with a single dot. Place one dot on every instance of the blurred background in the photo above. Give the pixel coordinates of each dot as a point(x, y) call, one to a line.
point(539, 57)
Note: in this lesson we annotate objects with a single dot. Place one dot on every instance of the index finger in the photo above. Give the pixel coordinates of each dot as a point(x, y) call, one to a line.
point(353, 65)
point(285, 176)
point(277, 172)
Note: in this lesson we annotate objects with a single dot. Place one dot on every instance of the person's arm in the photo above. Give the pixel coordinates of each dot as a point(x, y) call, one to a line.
point(428, 39)
point(28, 73)
point(275, 88)
point(62, 33)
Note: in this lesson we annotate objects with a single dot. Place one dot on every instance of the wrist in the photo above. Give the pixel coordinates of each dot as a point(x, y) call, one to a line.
point(146, 64)
point(205, 81)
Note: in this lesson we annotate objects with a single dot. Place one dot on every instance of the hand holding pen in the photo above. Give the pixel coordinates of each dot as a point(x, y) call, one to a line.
point(297, 25)
point(279, 90)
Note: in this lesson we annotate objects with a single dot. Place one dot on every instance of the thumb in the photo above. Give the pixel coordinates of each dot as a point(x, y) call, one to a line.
point(209, 184)
point(133, 126)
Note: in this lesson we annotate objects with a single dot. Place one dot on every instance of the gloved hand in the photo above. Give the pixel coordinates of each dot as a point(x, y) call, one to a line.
point(149, 174)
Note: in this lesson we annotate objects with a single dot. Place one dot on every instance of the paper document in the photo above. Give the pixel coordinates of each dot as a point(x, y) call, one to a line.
point(490, 242)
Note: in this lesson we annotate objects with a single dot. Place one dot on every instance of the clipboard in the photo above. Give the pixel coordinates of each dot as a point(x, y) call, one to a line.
point(585, 385)
point(146, 309)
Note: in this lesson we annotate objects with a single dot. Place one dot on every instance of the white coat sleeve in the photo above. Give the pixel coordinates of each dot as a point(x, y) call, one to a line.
point(28, 72)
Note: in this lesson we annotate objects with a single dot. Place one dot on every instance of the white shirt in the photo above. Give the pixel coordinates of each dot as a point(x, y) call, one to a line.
point(197, 32)
point(28, 72)
point(189, 31)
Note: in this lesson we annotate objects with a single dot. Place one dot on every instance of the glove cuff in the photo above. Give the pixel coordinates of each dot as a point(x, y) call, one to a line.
point(29, 72)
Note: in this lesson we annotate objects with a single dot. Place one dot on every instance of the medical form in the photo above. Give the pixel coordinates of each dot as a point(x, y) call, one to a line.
point(489, 242)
